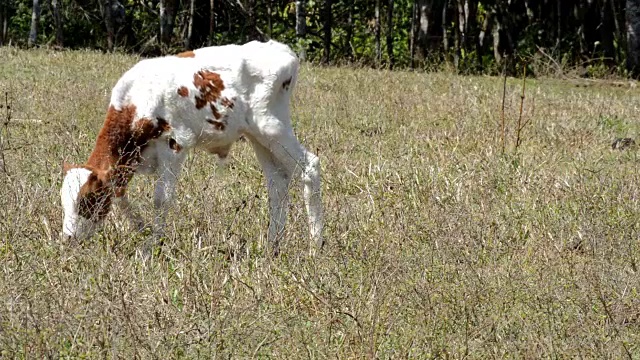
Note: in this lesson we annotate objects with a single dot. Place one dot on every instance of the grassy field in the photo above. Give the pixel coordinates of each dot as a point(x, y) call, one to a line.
point(438, 244)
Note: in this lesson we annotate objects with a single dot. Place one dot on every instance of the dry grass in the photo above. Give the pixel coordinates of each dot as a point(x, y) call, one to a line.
point(438, 245)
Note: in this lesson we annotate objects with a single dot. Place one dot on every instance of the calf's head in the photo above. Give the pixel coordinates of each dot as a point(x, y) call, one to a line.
point(86, 196)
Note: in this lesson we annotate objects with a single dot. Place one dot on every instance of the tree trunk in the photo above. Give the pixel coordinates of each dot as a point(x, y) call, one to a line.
point(196, 24)
point(579, 13)
point(607, 33)
point(390, 33)
point(412, 35)
point(251, 12)
point(188, 40)
point(164, 22)
point(107, 8)
point(472, 32)
point(327, 20)
point(167, 11)
point(486, 27)
point(445, 38)
point(301, 27)
point(377, 33)
point(57, 21)
point(212, 21)
point(496, 40)
point(633, 37)
point(348, 50)
point(35, 22)
point(559, 18)
point(269, 15)
point(461, 19)
point(423, 16)
point(458, 32)
point(4, 22)
point(618, 32)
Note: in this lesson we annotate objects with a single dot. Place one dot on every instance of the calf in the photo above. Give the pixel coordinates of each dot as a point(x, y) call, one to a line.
point(207, 98)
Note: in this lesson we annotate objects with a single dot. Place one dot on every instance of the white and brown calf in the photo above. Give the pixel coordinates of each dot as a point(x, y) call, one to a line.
point(208, 98)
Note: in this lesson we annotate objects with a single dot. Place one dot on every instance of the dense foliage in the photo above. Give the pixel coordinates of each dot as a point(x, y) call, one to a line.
point(471, 36)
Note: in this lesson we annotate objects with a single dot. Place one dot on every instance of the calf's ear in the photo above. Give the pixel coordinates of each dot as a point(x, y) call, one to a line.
point(103, 177)
point(120, 175)
point(119, 178)
point(66, 167)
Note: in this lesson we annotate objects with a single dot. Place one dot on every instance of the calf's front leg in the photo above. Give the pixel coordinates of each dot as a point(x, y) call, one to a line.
point(162, 197)
point(278, 178)
point(169, 166)
point(125, 207)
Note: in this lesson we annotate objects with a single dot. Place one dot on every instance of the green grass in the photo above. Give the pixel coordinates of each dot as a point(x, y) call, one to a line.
point(438, 245)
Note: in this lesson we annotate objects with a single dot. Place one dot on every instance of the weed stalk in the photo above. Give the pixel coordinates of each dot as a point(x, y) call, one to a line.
point(5, 138)
point(520, 124)
point(502, 123)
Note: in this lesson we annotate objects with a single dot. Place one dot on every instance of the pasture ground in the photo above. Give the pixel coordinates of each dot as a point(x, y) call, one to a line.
point(438, 244)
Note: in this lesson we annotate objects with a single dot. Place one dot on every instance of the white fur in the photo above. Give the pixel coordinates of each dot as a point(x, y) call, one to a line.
point(253, 76)
point(74, 225)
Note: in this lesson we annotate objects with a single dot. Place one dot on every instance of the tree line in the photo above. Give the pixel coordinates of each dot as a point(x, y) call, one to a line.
point(597, 36)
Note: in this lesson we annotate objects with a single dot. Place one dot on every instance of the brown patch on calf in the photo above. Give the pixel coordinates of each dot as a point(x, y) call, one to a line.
point(210, 86)
point(217, 124)
point(215, 112)
point(114, 158)
point(163, 124)
point(183, 91)
point(145, 130)
point(94, 198)
point(186, 54)
point(121, 141)
point(227, 103)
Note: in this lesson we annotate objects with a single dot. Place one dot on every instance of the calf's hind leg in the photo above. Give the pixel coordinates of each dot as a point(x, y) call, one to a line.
point(294, 160)
point(277, 178)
